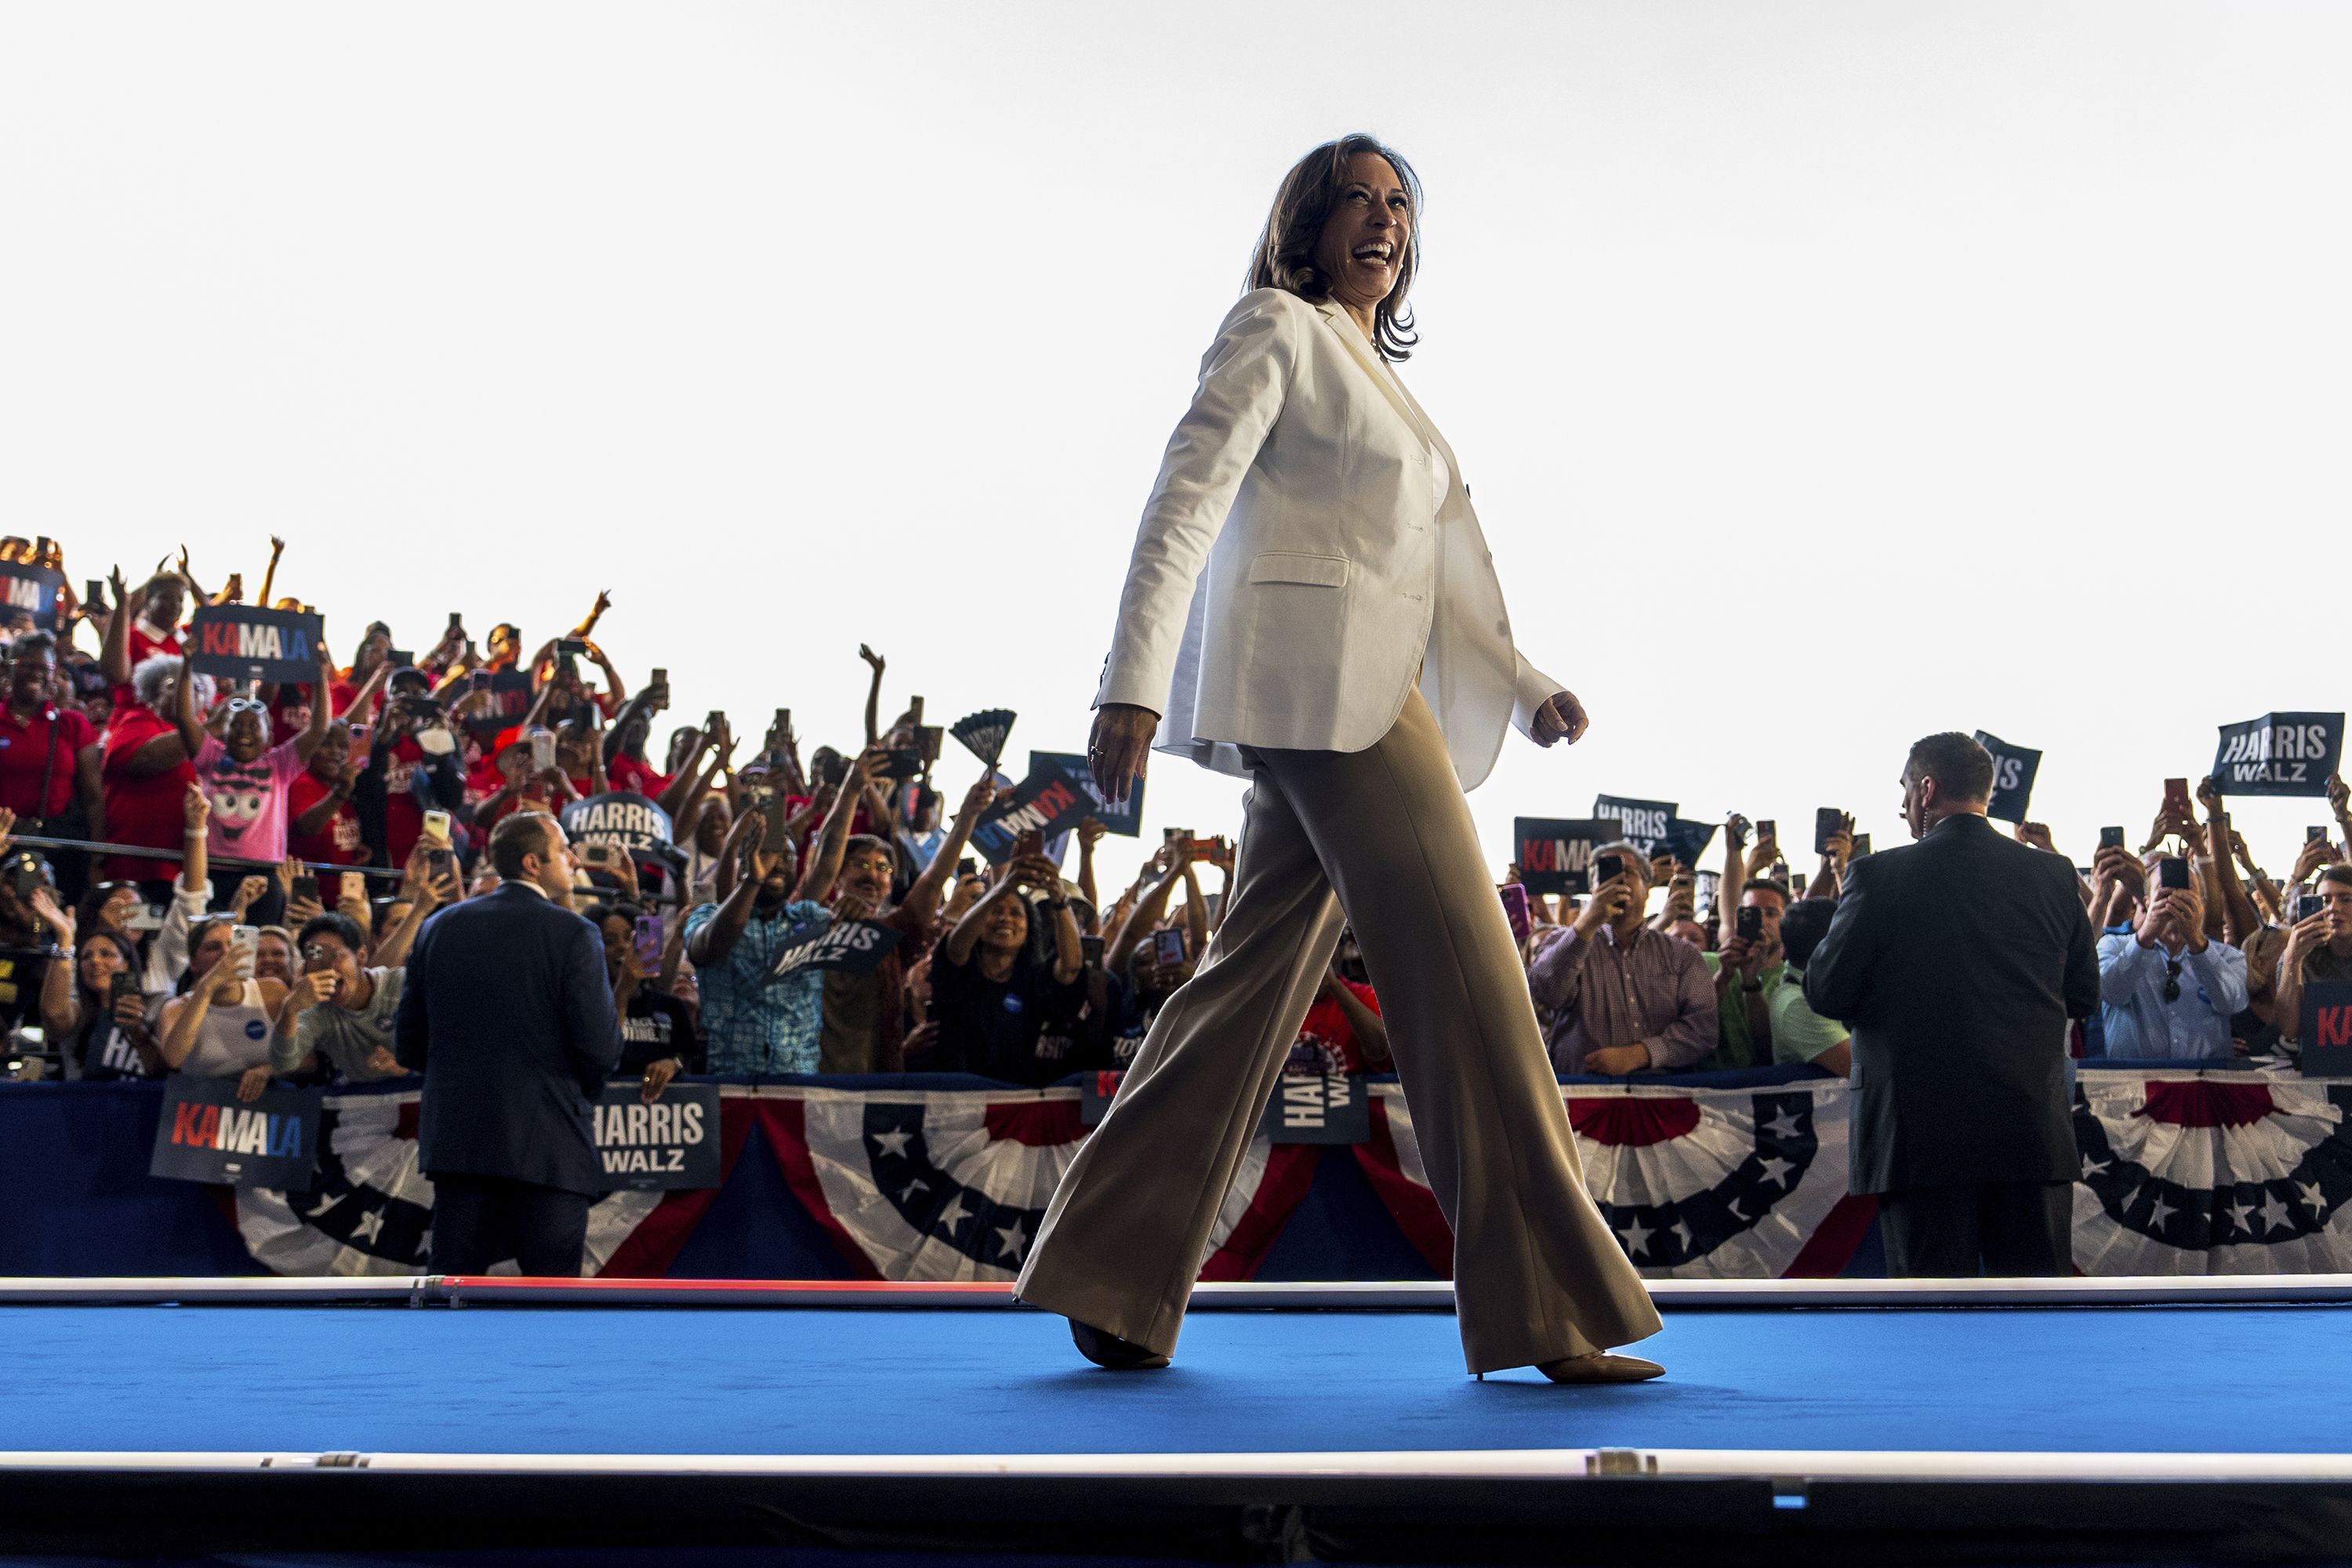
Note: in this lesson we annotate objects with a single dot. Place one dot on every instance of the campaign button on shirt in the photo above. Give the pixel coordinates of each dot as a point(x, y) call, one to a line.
point(1012, 1004)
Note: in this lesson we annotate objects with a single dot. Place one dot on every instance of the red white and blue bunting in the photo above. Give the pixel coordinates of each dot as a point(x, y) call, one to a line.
point(2185, 1172)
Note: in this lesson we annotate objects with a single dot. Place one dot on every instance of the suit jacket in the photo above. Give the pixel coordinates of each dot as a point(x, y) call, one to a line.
point(1309, 549)
point(1956, 962)
point(507, 1014)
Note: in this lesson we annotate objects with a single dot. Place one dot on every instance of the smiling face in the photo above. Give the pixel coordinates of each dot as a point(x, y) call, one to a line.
point(248, 732)
point(1362, 247)
point(1005, 928)
point(776, 887)
point(334, 751)
point(166, 600)
point(866, 870)
point(100, 962)
point(273, 958)
point(32, 675)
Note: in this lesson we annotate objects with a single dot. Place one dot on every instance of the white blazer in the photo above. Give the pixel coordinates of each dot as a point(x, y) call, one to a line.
point(1341, 558)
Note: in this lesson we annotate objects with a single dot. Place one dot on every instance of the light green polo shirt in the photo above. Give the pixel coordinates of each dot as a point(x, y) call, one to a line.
point(1798, 1034)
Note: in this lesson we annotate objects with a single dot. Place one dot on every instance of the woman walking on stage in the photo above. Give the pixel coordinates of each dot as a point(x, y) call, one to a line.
point(1310, 604)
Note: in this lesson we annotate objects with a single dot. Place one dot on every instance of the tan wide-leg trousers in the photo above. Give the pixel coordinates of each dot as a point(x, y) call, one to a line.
point(1537, 1273)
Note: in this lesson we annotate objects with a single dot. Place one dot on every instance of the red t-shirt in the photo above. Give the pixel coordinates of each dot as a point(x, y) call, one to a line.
point(142, 810)
point(143, 647)
point(26, 757)
point(1326, 1044)
point(403, 819)
point(292, 716)
point(858, 821)
point(625, 773)
point(337, 843)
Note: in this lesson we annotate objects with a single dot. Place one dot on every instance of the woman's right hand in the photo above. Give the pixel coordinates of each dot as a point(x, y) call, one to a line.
point(227, 981)
point(1119, 747)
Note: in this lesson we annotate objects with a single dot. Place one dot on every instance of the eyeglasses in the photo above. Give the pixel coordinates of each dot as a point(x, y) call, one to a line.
point(2172, 980)
point(245, 705)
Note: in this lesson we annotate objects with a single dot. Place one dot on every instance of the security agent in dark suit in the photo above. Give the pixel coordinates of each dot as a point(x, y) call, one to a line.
point(1957, 962)
point(508, 1015)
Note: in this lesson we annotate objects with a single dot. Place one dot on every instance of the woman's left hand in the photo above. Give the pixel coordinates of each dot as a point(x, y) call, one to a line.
point(1561, 717)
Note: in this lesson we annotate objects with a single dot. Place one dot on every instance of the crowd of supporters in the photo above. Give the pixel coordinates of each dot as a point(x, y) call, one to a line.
point(236, 944)
point(2202, 954)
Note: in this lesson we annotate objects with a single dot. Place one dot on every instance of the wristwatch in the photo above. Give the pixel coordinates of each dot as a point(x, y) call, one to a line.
point(1751, 985)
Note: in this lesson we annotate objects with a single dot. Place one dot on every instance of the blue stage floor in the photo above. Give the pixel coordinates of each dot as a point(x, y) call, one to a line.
point(488, 1379)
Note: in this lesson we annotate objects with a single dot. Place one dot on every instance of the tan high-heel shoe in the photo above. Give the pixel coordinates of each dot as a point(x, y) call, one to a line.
point(1601, 1367)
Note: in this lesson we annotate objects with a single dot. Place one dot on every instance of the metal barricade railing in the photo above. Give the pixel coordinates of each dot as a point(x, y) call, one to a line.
point(217, 862)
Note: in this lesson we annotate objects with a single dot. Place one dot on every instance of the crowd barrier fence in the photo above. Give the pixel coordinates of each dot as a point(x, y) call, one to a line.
point(2187, 1170)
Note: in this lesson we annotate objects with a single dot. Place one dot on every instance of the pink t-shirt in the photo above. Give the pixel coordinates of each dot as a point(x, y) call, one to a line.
point(248, 799)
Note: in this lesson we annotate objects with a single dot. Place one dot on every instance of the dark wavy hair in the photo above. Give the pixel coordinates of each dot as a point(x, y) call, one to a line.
point(1286, 247)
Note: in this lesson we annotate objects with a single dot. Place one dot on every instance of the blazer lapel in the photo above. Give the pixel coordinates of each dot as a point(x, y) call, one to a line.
point(1337, 320)
point(1407, 409)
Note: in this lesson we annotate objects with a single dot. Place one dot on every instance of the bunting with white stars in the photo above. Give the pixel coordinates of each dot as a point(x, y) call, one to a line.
point(2219, 1172)
point(1695, 1181)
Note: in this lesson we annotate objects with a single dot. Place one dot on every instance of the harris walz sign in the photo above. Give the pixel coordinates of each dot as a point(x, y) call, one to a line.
point(2280, 754)
point(2014, 768)
point(624, 819)
point(242, 642)
point(673, 1142)
point(851, 947)
point(207, 1134)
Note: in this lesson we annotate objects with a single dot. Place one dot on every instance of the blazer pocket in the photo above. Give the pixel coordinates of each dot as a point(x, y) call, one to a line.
point(1321, 571)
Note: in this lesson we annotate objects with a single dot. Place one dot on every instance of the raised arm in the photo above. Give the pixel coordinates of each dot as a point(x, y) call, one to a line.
point(741, 860)
point(1090, 833)
point(2239, 920)
point(183, 1020)
point(615, 687)
point(923, 897)
point(1068, 956)
point(684, 797)
point(60, 1008)
point(1010, 879)
point(361, 709)
point(114, 649)
point(824, 863)
point(873, 696)
point(1150, 907)
point(184, 713)
point(323, 704)
point(424, 894)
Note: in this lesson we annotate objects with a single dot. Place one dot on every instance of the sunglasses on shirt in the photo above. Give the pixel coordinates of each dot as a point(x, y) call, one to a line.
point(2172, 980)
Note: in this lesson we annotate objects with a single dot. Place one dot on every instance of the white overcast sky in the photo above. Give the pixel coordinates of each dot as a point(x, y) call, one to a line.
point(1827, 373)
